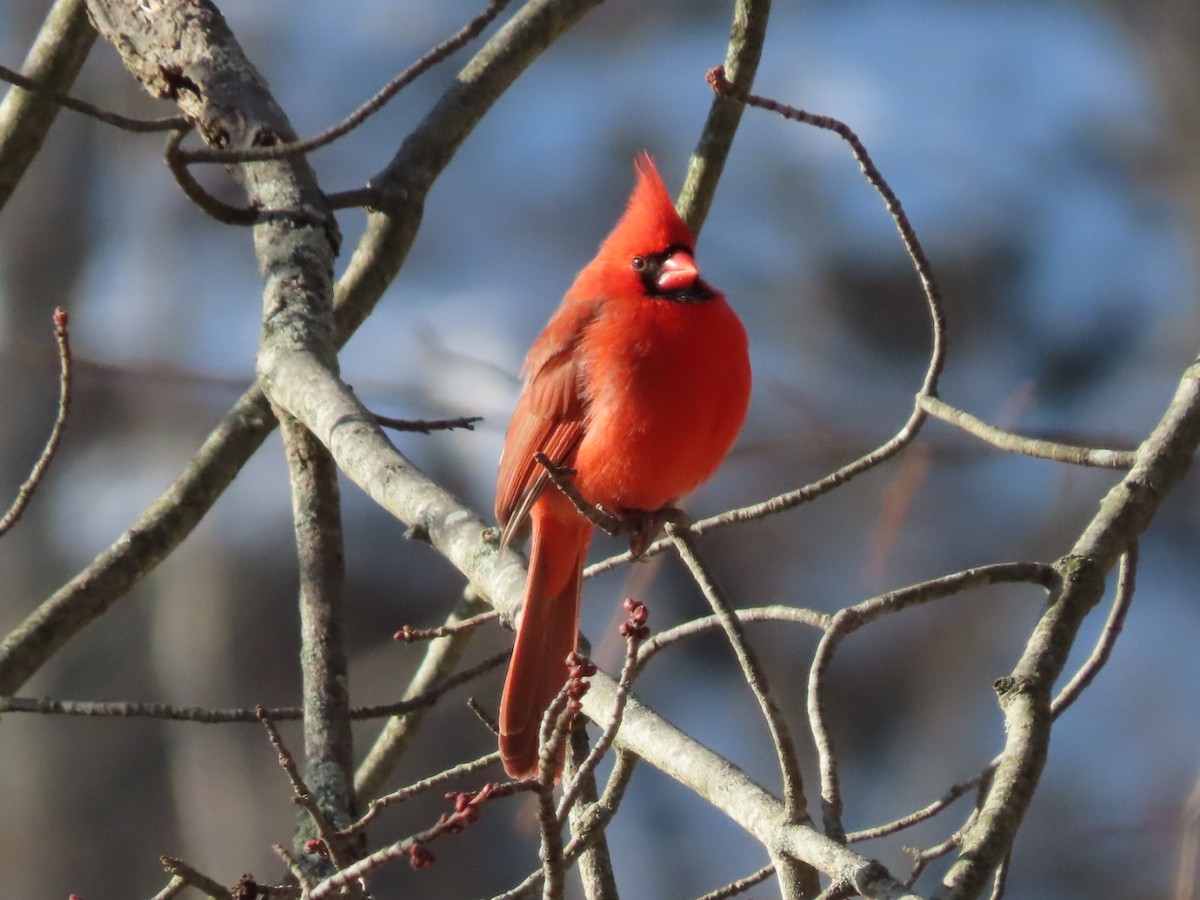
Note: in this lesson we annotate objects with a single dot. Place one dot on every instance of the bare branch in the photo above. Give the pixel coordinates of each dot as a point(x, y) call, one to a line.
point(25, 492)
point(316, 512)
point(634, 630)
point(746, 39)
point(182, 872)
point(756, 678)
point(428, 426)
point(303, 795)
point(589, 824)
point(721, 84)
point(779, 613)
point(427, 697)
point(596, 874)
point(376, 806)
point(295, 148)
point(408, 634)
point(1027, 446)
point(786, 501)
point(466, 812)
point(375, 263)
point(53, 62)
point(442, 657)
point(1126, 579)
point(741, 885)
point(927, 812)
point(125, 123)
point(192, 189)
point(850, 619)
point(731, 791)
point(1124, 513)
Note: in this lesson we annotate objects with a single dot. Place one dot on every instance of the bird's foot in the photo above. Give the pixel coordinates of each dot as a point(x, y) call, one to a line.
point(642, 526)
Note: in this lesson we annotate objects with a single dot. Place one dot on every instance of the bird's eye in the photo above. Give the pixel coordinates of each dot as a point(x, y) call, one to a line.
point(639, 263)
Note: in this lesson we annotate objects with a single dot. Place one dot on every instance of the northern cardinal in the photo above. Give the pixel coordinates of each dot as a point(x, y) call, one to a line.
point(639, 384)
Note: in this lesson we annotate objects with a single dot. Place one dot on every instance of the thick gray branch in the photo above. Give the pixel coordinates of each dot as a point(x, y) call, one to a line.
point(1025, 696)
point(375, 263)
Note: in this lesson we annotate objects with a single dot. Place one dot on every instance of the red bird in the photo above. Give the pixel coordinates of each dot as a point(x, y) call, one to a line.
point(639, 384)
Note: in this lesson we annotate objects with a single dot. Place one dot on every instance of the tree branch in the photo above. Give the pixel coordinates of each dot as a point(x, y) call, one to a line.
point(442, 656)
point(328, 742)
point(1025, 695)
point(159, 530)
point(54, 60)
point(1027, 446)
point(25, 492)
point(746, 39)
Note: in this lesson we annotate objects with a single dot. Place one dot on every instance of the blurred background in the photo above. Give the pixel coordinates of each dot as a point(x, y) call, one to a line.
point(1045, 153)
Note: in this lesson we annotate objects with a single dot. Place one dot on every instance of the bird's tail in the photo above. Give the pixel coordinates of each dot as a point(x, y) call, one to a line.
point(547, 634)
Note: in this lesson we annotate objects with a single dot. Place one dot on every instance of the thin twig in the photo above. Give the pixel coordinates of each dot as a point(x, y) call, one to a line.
point(360, 115)
point(781, 738)
point(428, 426)
point(590, 829)
point(634, 630)
point(922, 858)
point(125, 123)
point(1126, 580)
point(204, 716)
point(466, 813)
point(741, 885)
point(562, 478)
point(409, 635)
point(304, 797)
point(297, 871)
point(777, 613)
point(556, 724)
point(746, 39)
point(553, 864)
point(442, 656)
point(482, 714)
point(376, 806)
point(223, 212)
point(912, 244)
point(427, 697)
point(181, 870)
point(920, 815)
point(354, 198)
point(1027, 446)
point(852, 618)
point(25, 492)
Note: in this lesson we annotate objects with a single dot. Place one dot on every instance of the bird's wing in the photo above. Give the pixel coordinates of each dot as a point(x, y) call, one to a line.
point(549, 417)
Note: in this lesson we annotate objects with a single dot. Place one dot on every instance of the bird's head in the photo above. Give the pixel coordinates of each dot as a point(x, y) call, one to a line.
point(651, 250)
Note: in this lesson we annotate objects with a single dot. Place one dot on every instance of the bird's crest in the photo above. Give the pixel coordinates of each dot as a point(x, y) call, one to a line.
point(650, 223)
